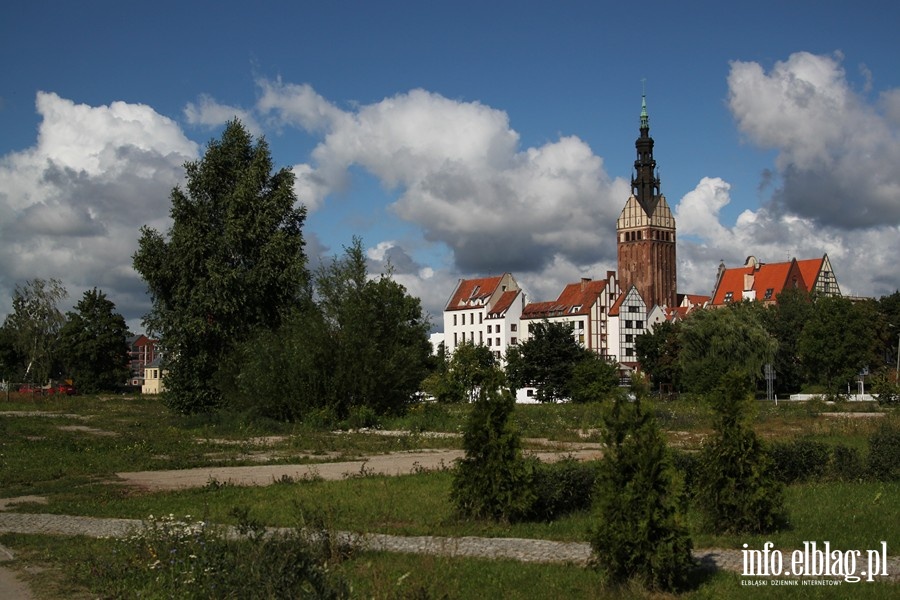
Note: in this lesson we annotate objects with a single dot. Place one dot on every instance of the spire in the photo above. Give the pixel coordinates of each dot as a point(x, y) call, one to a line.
point(645, 118)
point(645, 181)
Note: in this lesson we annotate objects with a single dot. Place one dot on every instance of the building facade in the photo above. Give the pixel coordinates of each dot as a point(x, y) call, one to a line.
point(486, 312)
point(646, 230)
point(583, 305)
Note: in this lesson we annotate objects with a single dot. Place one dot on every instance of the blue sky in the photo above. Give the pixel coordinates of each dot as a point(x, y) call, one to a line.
point(459, 139)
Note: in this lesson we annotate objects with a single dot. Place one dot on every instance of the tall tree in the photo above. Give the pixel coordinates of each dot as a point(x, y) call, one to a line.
point(379, 335)
point(715, 341)
point(658, 354)
point(839, 340)
point(232, 262)
point(547, 361)
point(92, 344)
point(34, 326)
point(785, 321)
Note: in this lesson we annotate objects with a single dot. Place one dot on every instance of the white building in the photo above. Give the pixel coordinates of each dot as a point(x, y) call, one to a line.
point(627, 320)
point(484, 311)
point(583, 305)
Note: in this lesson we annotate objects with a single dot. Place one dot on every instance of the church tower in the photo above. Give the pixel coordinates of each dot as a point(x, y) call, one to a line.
point(646, 229)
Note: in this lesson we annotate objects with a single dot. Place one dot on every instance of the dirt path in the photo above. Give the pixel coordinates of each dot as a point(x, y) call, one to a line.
point(395, 463)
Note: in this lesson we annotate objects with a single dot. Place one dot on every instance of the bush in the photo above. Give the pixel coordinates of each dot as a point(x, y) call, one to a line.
point(799, 460)
point(175, 559)
point(887, 391)
point(884, 453)
point(639, 533)
point(562, 487)
point(737, 491)
point(846, 464)
point(493, 480)
point(687, 464)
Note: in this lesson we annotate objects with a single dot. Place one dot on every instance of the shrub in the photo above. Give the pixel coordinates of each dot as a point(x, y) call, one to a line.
point(737, 491)
point(887, 391)
point(639, 534)
point(798, 460)
point(687, 464)
point(562, 487)
point(493, 480)
point(175, 559)
point(846, 464)
point(884, 453)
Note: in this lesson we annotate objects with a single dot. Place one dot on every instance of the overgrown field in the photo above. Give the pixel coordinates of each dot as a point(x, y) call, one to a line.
point(68, 450)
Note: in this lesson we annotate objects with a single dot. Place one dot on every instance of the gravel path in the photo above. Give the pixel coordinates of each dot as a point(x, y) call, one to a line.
point(525, 550)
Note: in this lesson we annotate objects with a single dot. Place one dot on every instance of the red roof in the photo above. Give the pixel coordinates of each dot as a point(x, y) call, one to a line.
point(766, 281)
point(810, 269)
point(470, 290)
point(503, 303)
point(575, 299)
point(614, 309)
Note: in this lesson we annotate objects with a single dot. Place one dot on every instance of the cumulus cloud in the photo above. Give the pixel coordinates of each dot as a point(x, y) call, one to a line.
point(461, 175)
point(837, 153)
point(72, 204)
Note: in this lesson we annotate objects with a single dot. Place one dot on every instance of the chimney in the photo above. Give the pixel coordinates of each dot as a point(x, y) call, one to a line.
point(584, 282)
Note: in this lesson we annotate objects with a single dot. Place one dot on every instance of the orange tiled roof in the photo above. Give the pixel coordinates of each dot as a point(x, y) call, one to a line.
point(614, 309)
point(810, 269)
point(503, 303)
point(575, 299)
point(769, 279)
point(471, 291)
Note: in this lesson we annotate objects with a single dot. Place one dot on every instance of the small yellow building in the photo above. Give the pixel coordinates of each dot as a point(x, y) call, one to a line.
point(153, 374)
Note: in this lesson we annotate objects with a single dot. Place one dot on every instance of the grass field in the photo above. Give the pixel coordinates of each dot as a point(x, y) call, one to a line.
point(68, 449)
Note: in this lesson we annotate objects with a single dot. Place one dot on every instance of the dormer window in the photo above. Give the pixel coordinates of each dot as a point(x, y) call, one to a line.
point(575, 308)
point(769, 292)
point(729, 296)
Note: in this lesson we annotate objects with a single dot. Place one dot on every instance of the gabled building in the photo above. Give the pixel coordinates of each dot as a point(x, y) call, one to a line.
point(763, 282)
point(627, 321)
point(584, 305)
point(484, 311)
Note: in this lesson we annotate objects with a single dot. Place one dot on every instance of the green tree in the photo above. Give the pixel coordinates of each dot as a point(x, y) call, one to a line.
point(737, 491)
point(640, 532)
point(785, 321)
point(232, 263)
point(547, 360)
point(838, 341)
point(658, 352)
point(594, 378)
point(715, 341)
point(379, 336)
point(493, 480)
point(92, 344)
point(34, 326)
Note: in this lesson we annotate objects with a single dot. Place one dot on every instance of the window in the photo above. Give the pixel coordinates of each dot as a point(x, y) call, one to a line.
point(489, 342)
point(580, 324)
point(629, 339)
point(480, 318)
point(638, 324)
point(513, 327)
point(629, 324)
point(629, 351)
point(729, 296)
point(632, 309)
point(768, 295)
point(454, 319)
point(455, 342)
point(489, 328)
point(498, 341)
point(480, 337)
point(513, 341)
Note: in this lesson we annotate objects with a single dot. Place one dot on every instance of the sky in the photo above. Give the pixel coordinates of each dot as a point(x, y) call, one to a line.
point(458, 139)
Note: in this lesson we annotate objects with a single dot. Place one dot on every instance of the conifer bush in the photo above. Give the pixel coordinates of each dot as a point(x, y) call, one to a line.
point(639, 532)
point(737, 490)
point(493, 481)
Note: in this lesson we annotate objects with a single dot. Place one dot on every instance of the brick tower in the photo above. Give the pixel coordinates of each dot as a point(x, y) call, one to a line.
point(646, 229)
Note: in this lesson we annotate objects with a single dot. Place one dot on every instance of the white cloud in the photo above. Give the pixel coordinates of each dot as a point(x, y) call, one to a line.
point(461, 175)
point(71, 206)
point(837, 154)
point(209, 113)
